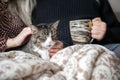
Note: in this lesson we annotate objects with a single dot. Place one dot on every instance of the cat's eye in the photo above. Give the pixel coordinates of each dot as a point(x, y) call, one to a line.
point(45, 32)
point(53, 32)
point(42, 39)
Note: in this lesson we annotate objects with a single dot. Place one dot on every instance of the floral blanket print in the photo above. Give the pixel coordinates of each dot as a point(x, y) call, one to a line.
point(77, 62)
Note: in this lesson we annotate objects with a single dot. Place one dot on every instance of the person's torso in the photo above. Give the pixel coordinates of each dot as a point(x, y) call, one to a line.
point(51, 10)
point(48, 11)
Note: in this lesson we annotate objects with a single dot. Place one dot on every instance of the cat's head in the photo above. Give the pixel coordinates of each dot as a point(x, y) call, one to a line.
point(45, 35)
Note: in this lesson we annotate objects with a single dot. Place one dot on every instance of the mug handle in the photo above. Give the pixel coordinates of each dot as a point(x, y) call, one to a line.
point(90, 24)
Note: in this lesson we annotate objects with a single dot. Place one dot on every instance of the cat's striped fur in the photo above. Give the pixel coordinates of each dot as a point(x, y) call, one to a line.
point(43, 38)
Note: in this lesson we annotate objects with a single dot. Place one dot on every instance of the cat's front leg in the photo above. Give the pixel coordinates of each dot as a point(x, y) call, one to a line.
point(45, 55)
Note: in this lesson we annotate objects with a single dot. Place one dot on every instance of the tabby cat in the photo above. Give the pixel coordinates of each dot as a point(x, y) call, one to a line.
point(43, 38)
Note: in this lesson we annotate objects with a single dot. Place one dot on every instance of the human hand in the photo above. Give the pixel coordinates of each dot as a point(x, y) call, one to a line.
point(58, 46)
point(22, 37)
point(99, 29)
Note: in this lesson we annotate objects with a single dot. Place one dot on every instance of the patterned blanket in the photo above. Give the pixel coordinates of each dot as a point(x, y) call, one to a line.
point(78, 62)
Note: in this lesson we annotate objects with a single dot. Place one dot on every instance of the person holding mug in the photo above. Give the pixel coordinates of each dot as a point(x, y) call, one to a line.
point(105, 30)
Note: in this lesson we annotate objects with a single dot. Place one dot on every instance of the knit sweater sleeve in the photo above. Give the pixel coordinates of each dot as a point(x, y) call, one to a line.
point(113, 25)
point(3, 40)
point(2, 44)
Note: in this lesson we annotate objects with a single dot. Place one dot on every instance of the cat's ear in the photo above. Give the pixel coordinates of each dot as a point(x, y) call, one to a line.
point(55, 24)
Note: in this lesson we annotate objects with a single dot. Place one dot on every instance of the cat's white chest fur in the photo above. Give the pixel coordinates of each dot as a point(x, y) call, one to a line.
point(47, 45)
point(43, 53)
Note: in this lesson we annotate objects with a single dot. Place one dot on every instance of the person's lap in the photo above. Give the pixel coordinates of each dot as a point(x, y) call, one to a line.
point(115, 48)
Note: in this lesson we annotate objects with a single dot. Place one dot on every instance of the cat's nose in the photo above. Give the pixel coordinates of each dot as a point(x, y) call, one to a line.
point(49, 45)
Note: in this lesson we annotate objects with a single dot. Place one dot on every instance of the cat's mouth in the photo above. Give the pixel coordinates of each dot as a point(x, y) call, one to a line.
point(48, 46)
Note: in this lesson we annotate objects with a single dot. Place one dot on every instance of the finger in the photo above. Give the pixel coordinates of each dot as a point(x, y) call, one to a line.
point(95, 32)
point(25, 32)
point(96, 36)
point(53, 51)
point(96, 23)
point(58, 45)
point(28, 30)
point(99, 27)
point(96, 28)
point(96, 19)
